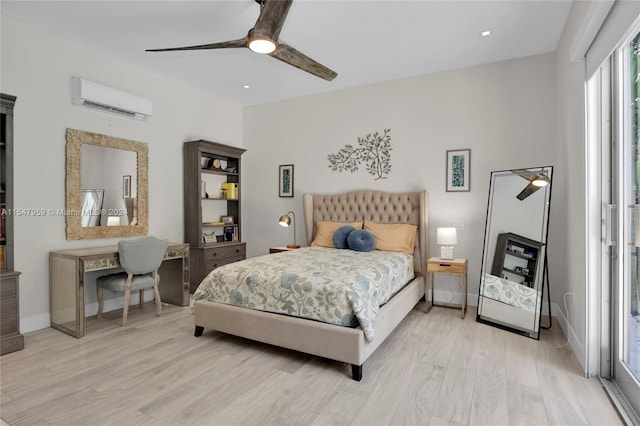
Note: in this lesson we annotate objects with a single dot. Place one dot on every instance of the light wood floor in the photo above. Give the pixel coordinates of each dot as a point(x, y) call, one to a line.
point(435, 369)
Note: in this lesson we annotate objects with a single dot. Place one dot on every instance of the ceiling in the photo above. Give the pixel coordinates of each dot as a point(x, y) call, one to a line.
point(365, 42)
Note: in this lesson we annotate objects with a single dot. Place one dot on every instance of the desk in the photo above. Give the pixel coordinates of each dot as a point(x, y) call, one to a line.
point(437, 265)
point(67, 269)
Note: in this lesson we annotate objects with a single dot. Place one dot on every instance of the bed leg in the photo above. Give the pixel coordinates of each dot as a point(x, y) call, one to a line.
point(356, 372)
point(198, 332)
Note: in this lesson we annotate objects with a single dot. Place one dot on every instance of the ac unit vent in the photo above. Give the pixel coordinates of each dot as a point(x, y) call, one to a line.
point(108, 99)
point(109, 109)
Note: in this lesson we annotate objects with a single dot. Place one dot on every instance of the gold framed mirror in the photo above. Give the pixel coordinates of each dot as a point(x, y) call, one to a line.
point(123, 209)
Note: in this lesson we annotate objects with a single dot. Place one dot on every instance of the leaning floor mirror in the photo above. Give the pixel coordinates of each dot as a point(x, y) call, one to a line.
point(515, 248)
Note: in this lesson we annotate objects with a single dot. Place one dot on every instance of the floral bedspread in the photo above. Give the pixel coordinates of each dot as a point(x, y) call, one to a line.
point(342, 287)
point(511, 293)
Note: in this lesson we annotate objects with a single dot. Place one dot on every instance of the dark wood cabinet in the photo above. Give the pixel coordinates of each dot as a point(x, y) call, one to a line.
point(10, 338)
point(212, 206)
point(516, 259)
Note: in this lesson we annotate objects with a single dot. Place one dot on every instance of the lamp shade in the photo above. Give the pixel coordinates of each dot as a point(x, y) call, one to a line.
point(447, 236)
point(285, 220)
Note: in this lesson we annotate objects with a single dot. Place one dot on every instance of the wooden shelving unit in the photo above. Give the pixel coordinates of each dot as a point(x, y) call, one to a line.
point(212, 206)
point(10, 338)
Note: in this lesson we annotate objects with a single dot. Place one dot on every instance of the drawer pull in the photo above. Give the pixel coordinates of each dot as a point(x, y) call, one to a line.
point(448, 265)
point(215, 253)
point(237, 250)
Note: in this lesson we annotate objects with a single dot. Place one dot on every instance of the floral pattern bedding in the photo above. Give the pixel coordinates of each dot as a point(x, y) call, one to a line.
point(511, 293)
point(342, 287)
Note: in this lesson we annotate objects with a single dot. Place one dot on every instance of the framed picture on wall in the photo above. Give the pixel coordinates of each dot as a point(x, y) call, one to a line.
point(285, 180)
point(126, 186)
point(458, 170)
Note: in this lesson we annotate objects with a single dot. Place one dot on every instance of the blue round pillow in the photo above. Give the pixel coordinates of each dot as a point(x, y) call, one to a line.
point(361, 240)
point(340, 236)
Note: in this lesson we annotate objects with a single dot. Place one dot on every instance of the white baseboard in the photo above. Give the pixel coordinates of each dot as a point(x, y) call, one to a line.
point(38, 322)
point(445, 296)
point(35, 322)
point(574, 342)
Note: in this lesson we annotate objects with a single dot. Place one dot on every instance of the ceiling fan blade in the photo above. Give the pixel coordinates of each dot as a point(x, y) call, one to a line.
point(242, 42)
point(291, 56)
point(528, 190)
point(271, 19)
point(525, 174)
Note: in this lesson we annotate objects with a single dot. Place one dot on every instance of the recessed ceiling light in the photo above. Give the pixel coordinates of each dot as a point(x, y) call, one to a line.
point(485, 33)
point(246, 86)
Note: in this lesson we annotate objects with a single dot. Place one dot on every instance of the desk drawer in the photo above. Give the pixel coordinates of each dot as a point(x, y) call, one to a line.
point(446, 267)
point(224, 252)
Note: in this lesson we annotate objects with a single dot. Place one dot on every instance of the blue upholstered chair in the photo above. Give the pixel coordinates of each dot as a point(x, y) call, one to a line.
point(140, 258)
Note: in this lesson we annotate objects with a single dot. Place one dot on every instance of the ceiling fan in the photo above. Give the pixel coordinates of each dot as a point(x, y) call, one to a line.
point(536, 180)
point(263, 38)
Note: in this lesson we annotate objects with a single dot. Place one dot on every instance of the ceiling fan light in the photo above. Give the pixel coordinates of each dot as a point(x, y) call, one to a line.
point(262, 45)
point(540, 181)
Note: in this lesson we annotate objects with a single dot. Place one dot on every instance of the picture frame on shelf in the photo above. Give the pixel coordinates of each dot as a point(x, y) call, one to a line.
point(126, 186)
point(205, 162)
point(227, 220)
point(459, 170)
point(285, 180)
point(209, 238)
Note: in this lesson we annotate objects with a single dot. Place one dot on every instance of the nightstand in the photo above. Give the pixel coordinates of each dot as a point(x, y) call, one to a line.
point(279, 249)
point(437, 265)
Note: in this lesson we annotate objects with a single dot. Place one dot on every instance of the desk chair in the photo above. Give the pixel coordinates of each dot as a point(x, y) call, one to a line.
point(140, 259)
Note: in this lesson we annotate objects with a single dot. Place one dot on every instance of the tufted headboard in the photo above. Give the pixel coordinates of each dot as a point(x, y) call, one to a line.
point(376, 206)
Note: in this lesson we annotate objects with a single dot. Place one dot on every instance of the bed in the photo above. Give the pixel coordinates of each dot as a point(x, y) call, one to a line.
point(341, 340)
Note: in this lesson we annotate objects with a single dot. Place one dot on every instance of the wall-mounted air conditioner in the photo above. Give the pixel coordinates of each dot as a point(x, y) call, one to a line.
point(104, 98)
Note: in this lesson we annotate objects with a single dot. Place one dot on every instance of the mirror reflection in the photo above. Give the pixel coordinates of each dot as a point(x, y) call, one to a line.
point(112, 171)
point(92, 206)
point(514, 254)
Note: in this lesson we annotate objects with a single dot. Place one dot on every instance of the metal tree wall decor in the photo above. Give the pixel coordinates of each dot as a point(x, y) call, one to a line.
point(374, 150)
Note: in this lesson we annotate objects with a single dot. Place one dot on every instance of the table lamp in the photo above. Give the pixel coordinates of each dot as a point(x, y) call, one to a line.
point(447, 238)
point(286, 220)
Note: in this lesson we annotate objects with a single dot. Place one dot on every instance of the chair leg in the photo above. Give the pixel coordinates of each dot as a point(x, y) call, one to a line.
point(100, 302)
point(142, 300)
point(156, 292)
point(127, 299)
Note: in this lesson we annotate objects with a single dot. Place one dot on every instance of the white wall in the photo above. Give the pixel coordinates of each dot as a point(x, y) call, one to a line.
point(571, 148)
point(504, 112)
point(37, 67)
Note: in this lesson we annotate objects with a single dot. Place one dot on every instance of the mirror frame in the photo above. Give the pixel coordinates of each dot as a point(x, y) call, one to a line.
point(541, 279)
point(75, 230)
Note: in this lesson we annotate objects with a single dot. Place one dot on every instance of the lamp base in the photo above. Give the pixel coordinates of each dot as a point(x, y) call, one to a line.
point(293, 246)
point(446, 252)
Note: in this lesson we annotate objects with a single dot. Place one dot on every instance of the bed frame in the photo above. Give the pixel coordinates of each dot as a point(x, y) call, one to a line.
point(327, 340)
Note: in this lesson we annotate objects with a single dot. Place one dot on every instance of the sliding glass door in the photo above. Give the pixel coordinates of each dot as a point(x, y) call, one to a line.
point(625, 308)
